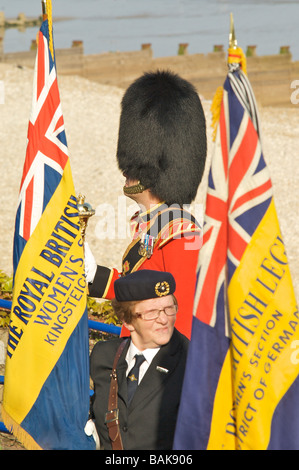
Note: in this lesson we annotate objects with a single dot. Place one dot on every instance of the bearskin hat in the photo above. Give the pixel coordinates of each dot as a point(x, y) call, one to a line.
point(162, 136)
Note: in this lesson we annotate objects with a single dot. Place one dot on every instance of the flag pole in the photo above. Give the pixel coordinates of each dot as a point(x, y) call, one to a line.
point(232, 36)
point(44, 10)
point(44, 16)
point(47, 15)
point(236, 58)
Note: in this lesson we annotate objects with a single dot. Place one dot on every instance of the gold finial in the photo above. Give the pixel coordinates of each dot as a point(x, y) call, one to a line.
point(85, 211)
point(232, 37)
point(44, 8)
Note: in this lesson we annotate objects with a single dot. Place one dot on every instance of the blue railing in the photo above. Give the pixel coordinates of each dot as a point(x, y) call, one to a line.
point(5, 304)
point(92, 324)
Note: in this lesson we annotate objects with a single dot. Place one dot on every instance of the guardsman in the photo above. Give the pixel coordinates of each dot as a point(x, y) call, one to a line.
point(161, 152)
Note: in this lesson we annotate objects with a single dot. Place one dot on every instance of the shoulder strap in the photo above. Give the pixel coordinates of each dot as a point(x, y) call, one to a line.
point(111, 417)
point(179, 223)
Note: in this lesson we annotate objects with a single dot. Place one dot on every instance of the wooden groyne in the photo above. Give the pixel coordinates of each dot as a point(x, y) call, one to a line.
point(271, 76)
point(22, 21)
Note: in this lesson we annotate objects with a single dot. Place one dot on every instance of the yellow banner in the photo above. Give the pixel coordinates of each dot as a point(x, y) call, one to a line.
point(262, 362)
point(48, 301)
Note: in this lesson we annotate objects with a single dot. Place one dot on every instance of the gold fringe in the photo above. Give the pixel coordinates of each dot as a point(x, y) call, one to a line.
point(50, 25)
point(25, 439)
point(215, 110)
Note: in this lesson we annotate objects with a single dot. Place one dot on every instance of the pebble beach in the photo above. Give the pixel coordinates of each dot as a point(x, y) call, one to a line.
point(91, 114)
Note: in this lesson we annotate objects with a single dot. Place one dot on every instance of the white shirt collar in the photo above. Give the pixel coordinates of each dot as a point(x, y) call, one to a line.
point(149, 353)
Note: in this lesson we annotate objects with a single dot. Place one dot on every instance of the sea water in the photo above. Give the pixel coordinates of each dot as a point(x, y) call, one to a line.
point(123, 25)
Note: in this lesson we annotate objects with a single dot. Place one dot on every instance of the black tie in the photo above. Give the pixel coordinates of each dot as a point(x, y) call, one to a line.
point(133, 376)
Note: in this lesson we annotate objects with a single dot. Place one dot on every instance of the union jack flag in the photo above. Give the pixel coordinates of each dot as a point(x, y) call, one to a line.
point(239, 193)
point(232, 397)
point(47, 151)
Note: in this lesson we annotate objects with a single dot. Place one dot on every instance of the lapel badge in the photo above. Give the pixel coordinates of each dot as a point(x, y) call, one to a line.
point(162, 369)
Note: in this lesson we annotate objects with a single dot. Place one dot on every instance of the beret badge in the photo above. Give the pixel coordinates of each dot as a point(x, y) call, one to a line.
point(143, 284)
point(162, 288)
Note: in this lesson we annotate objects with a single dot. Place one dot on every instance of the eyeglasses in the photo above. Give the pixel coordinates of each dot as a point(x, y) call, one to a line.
point(154, 314)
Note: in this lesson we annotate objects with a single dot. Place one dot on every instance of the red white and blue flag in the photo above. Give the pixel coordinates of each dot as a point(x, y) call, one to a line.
point(46, 388)
point(241, 379)
point(47, 151)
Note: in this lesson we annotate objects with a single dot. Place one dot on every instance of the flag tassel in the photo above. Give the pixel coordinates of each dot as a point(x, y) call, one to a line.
point(22, 436)
point(215, 110)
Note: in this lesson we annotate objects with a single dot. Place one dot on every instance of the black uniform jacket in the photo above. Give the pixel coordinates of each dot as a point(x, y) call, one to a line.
point(149, 422)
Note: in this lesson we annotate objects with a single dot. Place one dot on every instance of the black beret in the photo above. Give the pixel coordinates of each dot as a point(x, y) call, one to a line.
point(144, 284)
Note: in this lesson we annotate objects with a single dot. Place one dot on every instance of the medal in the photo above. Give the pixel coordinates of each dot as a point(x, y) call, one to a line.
point(146, 247)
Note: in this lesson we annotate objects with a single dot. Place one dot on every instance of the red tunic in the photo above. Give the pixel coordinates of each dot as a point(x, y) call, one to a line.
point(175, 250)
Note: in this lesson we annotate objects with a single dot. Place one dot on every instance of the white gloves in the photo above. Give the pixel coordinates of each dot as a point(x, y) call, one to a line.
point(90, 430)
point(90, 263)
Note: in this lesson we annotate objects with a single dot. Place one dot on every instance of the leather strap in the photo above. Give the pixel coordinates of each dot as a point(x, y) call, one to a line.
point(111, 417)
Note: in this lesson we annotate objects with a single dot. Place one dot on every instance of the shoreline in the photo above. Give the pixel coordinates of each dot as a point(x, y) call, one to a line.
point(13, 22)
